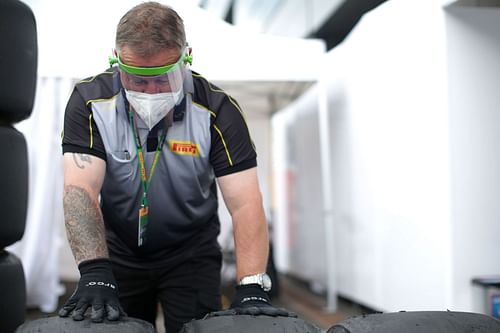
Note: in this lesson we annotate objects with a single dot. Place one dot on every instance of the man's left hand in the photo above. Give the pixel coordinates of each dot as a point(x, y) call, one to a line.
point(250, 299)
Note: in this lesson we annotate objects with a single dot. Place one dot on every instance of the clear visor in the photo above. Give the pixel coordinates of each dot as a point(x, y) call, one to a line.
point(154, 80)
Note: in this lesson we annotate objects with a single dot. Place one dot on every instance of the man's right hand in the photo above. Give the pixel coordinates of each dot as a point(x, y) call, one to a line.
point(97, 289)
point(251, 300)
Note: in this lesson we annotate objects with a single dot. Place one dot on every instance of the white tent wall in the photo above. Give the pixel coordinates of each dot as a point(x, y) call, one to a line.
point(414, 130)
point(273, 16)
point(78, 40)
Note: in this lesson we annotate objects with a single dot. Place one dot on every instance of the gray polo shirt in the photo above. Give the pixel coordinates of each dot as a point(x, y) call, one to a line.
point(206, 137)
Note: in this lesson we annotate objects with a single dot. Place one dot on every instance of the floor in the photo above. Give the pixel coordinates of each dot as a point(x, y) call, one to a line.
point(293, 296)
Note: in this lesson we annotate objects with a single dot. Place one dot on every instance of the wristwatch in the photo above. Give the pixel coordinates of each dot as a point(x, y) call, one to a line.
point(262, 279)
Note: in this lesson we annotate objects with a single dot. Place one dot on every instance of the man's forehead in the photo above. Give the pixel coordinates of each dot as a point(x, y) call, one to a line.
point(160, 58)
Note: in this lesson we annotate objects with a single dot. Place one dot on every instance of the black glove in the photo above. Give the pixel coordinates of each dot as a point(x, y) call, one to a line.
point(97, 288)
point(250, 299)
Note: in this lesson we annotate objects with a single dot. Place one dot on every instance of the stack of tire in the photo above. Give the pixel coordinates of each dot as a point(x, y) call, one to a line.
point(18, 65)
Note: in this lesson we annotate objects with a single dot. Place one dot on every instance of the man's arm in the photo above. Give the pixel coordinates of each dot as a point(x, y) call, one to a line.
point(83, 178)
point(97, 288)
point(243, 199)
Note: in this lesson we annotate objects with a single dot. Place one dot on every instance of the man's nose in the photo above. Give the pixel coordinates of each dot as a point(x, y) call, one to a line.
point(151, 88)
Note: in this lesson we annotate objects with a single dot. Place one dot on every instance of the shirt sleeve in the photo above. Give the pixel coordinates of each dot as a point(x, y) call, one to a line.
point(232, 147)
point(80, 134)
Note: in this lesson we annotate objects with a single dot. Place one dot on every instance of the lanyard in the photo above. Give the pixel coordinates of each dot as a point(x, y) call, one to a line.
point(145, 181)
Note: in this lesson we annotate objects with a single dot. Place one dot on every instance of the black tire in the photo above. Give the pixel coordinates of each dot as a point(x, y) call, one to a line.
point(12, 291)
point(249, 324)
point(418, 322)
point(19, 54)
point(57, 324)
point(13, 185)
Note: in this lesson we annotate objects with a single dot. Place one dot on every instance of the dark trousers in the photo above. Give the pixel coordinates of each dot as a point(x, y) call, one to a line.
point(188, 290)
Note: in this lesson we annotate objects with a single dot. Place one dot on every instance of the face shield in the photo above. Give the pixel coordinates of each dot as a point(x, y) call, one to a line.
point(153, 80)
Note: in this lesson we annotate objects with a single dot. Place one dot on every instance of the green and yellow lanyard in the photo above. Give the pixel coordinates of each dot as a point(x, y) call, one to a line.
point(146, 181)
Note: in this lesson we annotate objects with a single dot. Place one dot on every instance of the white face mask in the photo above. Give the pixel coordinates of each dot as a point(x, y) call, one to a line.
point(152, 108)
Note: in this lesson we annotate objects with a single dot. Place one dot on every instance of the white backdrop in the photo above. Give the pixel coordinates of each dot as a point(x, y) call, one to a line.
point(415, 158)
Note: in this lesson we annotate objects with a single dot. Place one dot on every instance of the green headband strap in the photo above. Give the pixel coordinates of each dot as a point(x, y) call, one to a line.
point(149, 71)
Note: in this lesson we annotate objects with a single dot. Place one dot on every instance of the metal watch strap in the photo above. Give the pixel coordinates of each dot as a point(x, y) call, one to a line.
point(262, 279)
point(251, 279)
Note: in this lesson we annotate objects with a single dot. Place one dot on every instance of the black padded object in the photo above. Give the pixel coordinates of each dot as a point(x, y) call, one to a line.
point(249, 324)
point(418, 322)
point(60, 325)
point(13, 185)
point(18, 61)
point(12, 293)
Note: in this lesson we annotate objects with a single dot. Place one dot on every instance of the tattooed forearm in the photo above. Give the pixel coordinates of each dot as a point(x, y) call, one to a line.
point(84, 225)
point(79, 159)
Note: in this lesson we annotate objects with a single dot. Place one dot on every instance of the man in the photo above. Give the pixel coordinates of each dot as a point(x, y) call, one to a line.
point(144, 143)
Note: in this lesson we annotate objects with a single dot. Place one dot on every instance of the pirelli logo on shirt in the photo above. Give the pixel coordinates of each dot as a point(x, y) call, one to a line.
point(184, 148)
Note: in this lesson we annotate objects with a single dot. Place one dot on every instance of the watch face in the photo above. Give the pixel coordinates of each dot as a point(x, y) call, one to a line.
point(266, 282)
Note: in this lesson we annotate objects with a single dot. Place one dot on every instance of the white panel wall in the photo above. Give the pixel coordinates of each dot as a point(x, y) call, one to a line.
point(414, 126)
point(474, 83)
point(307, 241)
point(393, 230)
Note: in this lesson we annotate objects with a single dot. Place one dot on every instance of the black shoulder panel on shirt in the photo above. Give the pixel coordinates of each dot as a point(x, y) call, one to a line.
point(232, 149)
point(208, 94)
point(81, 134)
point(102, 86)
